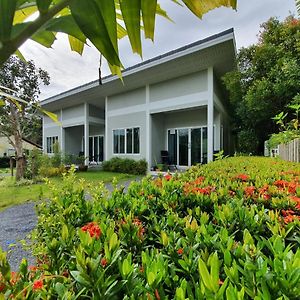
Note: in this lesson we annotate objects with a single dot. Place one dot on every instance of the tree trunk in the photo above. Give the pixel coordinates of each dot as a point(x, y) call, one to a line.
point(20, 159)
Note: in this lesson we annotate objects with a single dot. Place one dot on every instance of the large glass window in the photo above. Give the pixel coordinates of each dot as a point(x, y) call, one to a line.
point(126, 141)
point(51, 140)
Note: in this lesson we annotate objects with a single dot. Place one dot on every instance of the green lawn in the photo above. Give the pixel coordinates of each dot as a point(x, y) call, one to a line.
point(11, 195)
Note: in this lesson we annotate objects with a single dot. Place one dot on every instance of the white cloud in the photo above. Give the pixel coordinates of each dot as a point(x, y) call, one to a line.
point(68, 69)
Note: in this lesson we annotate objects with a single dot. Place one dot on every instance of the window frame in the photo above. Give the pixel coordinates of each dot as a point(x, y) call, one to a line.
point(50, 141)
point(125, 140)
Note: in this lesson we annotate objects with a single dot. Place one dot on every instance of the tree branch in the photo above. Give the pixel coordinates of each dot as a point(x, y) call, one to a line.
point(11, 46)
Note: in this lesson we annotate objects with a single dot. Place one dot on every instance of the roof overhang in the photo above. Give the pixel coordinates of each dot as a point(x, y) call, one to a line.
point(218, 51)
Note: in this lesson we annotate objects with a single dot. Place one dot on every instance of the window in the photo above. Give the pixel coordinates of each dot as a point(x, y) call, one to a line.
point(126, 141)
point(51, 140)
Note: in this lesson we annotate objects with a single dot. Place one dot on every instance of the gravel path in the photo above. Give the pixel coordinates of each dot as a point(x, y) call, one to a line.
point(16, 223)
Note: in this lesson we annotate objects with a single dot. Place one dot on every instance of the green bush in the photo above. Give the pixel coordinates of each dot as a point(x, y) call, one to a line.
point(129, 166)
point(226, 230)
point(4, 162)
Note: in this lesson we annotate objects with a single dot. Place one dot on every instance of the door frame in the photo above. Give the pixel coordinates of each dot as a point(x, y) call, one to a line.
point(189, 143)
point(93, 136)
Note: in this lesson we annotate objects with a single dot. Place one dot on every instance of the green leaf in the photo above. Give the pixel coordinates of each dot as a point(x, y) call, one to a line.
point(113, 241)
point(199, 8)
point(7, 11)
point(179, 294)
point(91, 23)
point(164, 238)
point(215, 268)
point(51, 115)
point(23, 14)
point(80, 278)
point(20, 55)
point(121, 31)
point(66, 24)
point(2, 102)
point(65, 232)
point(150, 278)
point(45, 38)
point(148, 14)
point(108, 11)
point(131, 12)
point(203, 272)
point(76, 45)
point(43, 5)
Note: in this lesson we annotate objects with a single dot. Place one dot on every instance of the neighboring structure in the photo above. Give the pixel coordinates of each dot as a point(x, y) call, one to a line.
point(6, 149)
point(174, 102)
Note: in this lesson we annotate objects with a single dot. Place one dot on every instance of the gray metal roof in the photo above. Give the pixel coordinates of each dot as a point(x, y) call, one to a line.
point(93, 89)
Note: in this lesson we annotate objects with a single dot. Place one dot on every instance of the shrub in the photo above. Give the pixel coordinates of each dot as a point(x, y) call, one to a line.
point(4, 162)
point(129, 166)
point(226, 230)
point(47, 171)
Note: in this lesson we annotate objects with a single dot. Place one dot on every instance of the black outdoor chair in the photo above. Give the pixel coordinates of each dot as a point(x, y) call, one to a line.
point(165, 159)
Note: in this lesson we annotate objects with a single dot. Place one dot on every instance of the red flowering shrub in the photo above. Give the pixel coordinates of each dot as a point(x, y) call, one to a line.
point(93, 229)
point(37, 285)
point(203, 234)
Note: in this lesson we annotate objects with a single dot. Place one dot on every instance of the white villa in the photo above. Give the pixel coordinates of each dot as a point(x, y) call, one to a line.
point(174, 102)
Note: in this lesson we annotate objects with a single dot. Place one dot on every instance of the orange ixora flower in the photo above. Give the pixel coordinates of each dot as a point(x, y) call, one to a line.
point(168, 177)
point(180, 251)
point(281, 183)
point(37, 284)
point(93, 229)
point(103, 262)
point(249, 191)
point(242, 177)
point(290, 218)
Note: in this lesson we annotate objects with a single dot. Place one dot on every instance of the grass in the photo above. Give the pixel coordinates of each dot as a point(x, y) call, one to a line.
point(11, 194)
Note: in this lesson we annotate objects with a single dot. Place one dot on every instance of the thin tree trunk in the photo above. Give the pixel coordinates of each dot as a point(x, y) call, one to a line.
point(17, 132)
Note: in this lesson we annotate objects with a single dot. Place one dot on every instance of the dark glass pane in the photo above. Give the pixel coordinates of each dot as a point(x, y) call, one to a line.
point(183, 136)
point(91, 158)
point(116, 141)
point(129, 141)
point(100, 148)
point(196, 146)
point(172, 147)
point(96, 148)
point(122, 140)
point(48, 145)
point(136, 133)
point(204, 145)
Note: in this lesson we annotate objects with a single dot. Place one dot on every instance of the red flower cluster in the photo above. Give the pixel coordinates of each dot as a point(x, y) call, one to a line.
point(281, 183)
point(180, 251)
point(205, 191)
point(242, 177)
point(103, 262)
point(297, 201)
point(168, 177)
point(199, 180)
point(93, 229)
point(37, 285)
point(138, 223)
point(249, 191)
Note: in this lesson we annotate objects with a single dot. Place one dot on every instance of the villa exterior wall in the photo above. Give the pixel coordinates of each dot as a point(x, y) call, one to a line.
point(179, 87)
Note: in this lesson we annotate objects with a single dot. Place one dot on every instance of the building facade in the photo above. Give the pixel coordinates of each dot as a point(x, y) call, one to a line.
point(175, 102)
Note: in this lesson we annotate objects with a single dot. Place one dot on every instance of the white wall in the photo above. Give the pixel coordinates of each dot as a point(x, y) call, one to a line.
point(157, 142)
point(73, 139)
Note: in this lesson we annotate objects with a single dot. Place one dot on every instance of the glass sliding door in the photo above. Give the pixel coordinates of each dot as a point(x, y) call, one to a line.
point(195, 146)
point(183, 141)
point(96, 148)
point(187, 146)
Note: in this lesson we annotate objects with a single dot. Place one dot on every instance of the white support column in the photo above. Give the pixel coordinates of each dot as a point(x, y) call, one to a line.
point(105, 157)
point(62, 133)
point(44, 143)
point(86, 132)
point(148, 128)
point(210, 115)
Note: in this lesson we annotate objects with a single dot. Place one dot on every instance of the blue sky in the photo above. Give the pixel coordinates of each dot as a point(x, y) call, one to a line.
point(68, 70)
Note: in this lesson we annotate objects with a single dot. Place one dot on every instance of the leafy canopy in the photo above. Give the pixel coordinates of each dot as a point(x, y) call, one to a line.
point(100, 22)
point(267, 79)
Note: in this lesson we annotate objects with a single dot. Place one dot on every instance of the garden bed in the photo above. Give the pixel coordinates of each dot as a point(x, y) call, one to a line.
point(227, 230)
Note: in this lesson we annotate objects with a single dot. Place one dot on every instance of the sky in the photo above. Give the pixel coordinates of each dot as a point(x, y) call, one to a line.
point(68, 69)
